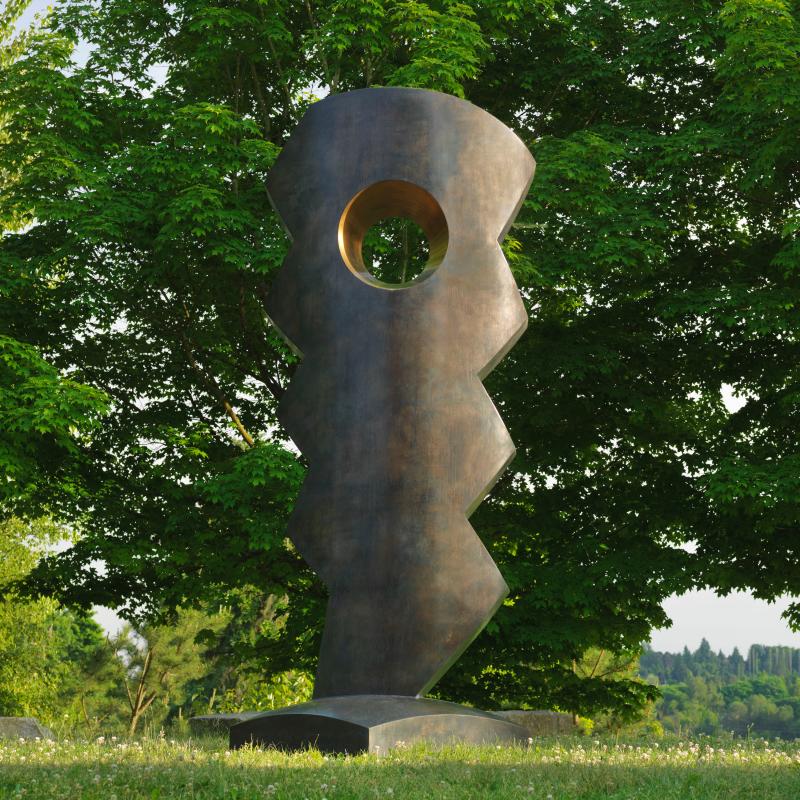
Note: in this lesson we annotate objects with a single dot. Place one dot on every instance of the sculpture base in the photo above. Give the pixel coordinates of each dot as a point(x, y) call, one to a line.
point(374, 724)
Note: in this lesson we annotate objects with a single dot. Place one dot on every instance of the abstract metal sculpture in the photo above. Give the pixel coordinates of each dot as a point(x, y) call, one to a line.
point(387, 405)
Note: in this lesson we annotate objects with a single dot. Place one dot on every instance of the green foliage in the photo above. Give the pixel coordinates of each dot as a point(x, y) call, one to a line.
point(707, 692)
point(92, 696)
point(48, 654)
point(395, 250)
point(704, 707)
point(596, 669)
point(657, 252)
point(30, 673)
point(253, 693)
point(446, 47)
point(43, 417)
point(159, 663)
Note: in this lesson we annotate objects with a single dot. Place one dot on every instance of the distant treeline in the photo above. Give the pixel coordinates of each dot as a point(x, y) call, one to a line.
point(705, 663)
point(707, 692)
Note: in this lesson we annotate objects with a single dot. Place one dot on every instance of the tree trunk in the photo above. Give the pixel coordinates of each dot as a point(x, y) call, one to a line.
point(141, 701)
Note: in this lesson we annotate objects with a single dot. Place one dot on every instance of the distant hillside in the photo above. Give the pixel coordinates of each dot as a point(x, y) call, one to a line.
point(707, 692)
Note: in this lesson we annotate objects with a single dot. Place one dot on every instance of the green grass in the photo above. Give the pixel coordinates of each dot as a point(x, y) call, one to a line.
point(561, 769)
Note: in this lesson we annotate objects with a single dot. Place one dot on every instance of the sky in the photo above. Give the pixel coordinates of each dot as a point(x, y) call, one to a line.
point(35, 7)
point(738, 620)
point(38, 7)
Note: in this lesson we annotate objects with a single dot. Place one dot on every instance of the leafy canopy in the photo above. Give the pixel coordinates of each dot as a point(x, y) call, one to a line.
point(657, 252)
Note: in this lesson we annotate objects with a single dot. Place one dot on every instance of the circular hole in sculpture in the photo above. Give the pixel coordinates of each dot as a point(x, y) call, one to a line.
point(393, 234)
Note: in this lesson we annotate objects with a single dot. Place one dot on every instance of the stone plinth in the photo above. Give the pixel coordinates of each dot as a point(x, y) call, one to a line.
point(23, 728)
point(540, 723)
point(375, 724)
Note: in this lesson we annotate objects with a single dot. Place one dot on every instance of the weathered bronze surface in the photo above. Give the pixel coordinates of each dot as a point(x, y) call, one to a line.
point(387, 405)
point(374, 724)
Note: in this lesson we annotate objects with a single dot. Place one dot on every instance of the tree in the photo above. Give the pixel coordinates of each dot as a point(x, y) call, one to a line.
point(43, 415)
point(600, 666)
point(92, 694)
point(657, 253)
point(161, 662)
point(51, 658)
point(719, 699)
point(27, 686)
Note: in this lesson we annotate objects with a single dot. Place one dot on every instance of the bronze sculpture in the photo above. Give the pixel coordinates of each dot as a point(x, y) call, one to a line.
point(387, 405)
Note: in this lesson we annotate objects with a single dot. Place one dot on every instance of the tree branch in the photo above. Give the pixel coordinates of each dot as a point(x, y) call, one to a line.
point(210, 382)
point(128, 692)
point(262, 103)
point(281, 72)
point(597, 663)
point(275, 389)
point(215, 389)
point(326, 70)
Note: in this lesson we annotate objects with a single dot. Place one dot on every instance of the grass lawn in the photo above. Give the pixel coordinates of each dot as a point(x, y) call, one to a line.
point(549, 769)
